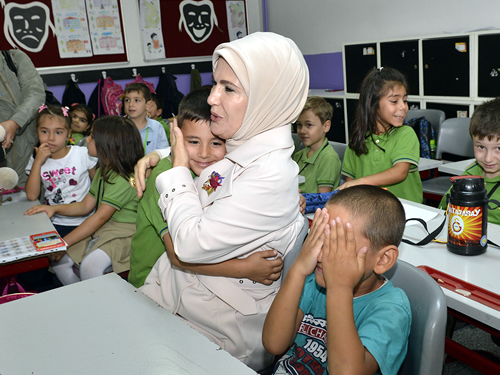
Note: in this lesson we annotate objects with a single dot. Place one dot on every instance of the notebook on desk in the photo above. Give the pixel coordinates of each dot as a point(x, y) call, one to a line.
point(30, 246)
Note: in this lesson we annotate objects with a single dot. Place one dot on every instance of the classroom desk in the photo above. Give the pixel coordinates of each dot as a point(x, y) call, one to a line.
point(456, 168)
point(480, 270)
point(14, 224)
point(426, 164)
point(104, 326)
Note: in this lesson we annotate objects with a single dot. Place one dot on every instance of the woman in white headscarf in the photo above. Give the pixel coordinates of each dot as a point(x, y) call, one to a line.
point(246, 202)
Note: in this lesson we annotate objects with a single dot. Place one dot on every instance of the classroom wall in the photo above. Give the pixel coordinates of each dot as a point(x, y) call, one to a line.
point(133, 42)
point(319, 27)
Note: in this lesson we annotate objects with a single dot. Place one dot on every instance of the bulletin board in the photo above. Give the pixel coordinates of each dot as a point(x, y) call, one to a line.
point(48, 55)
point(180, 38)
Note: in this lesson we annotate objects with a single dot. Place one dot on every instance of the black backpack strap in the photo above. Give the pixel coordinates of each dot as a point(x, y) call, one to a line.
point(8, 60)
point(430, 236)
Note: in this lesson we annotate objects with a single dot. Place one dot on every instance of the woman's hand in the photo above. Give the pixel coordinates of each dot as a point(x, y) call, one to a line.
point(180, 157)
point(49, 210)
point(261, 269)
point(142, 170)
point(10, 133)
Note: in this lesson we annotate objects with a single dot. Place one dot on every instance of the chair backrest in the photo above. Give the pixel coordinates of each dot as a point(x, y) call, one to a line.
point(339, 149)
point(434, 116)
point(298, 143)
point(454, 138)
point(428, 307)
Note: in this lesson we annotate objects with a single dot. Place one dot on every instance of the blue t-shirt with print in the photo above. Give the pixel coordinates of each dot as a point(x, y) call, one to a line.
point(382, 318)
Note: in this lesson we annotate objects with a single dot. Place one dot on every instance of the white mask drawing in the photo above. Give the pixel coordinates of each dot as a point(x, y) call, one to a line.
point(198, 18)
point(27, 26)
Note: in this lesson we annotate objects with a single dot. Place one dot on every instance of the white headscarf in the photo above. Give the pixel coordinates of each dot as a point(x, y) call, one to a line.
point(275, 77)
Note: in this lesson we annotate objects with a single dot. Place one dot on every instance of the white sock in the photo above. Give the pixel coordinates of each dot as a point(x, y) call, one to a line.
point(64, 270)
point(94, 264)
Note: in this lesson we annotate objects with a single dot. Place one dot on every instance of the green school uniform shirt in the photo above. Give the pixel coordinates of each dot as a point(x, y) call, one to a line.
point(147, 243)
point(476, 170)
point(321, 169)
point(401, 145)
point(165, 126)
point(118, 193)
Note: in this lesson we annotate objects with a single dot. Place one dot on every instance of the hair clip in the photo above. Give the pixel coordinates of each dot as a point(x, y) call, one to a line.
point(41, 108)
point(65, 111)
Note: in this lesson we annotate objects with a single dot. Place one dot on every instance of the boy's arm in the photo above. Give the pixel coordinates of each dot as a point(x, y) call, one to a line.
point(343, 269)
point(284, 316)
point(256, 267)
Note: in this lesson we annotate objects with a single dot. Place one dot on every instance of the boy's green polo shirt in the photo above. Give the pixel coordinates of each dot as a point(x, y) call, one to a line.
point(321, 169)
point(147, 243)
point(476, 170)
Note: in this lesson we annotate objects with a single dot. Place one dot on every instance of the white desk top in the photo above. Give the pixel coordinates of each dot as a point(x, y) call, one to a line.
point(14, 223)
point(104, 326)
point(480, 270)
point(456, 168)
point(426, 164)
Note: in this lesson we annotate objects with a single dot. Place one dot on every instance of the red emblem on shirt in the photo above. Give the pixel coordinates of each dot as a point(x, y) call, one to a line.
point(213, 182)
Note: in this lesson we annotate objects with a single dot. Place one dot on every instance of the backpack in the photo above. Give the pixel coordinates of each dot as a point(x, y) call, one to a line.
point(139, 79)
point(111, 97)
point(167, 90)
point(72, 94)
point(95, 102)
point(425, 133)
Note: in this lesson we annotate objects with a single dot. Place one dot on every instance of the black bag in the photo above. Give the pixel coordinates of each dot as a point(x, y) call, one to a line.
point(50, 99)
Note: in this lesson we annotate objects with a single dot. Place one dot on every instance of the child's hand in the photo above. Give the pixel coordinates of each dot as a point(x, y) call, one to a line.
point(264, 270)
point(308, 257)
point(49, 210)
point(142, 170)
point(302, 203)
point(180, 157)
point(42, 153)
point(343, 264)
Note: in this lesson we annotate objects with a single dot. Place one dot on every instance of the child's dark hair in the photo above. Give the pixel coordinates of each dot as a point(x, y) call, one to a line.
point(194, 106)
point(140, 88)
point(53, 111)
point(485, 121)
point(376, 84)
point(381, 213)
point(160, 104)
point(89, 115)
point(320, 107)
point(118, 145)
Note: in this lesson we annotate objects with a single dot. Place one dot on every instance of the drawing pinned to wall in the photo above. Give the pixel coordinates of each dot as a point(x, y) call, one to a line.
point(70, 20)
point(105, 27)
point(152, 37)
point(236, 20)
point(26, 26)
point(198, 18)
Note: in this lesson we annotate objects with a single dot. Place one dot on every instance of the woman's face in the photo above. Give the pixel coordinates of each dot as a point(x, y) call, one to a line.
point(228, 101)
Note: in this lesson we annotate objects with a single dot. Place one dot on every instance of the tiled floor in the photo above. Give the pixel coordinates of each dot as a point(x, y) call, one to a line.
point(475, 339)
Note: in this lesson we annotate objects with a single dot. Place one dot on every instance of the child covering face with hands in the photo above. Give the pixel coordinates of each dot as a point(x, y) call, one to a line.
point(335, 308)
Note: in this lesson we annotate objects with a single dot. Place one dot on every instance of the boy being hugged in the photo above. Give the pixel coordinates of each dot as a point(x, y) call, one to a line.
point(135, 102)
point(318, 162)
point(485, 132)
point(352, 242)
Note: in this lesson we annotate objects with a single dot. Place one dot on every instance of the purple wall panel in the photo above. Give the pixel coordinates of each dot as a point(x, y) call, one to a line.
point(325, 71)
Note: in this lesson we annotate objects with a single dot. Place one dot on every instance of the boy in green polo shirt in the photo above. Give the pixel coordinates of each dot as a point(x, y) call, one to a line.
point(318, 162)
point(152, 236)
point(485, 132)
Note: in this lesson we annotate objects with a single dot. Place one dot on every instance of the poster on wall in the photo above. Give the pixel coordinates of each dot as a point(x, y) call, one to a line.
point(33, 27)
point(236, 20)
point(194, 27)
point(152, 37)
point(105, 27)
point(72, 30)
